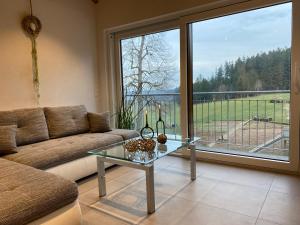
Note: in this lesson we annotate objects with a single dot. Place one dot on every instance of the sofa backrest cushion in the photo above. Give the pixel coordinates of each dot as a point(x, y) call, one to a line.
point(31, 124)
point(8, 144)
point(67, 120)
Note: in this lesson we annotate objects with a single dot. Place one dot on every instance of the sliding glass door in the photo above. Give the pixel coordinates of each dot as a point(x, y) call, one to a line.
point(229, 76)
point(241, 82)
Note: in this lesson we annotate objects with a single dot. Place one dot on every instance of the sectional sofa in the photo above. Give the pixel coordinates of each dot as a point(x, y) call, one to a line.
point(43, 151)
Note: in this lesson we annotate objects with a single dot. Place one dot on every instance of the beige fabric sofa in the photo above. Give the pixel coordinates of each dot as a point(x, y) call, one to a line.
point(55, 140)
point(27, 194)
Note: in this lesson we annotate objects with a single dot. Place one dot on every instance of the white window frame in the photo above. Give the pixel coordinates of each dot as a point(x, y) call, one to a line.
point(160, 27)
point(293, 164)
point(182, 20)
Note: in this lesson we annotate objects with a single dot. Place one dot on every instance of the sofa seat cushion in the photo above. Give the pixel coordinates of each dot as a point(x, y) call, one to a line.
point(66, 120)
point(125, 134)
point(54, 152)
point(27, 194)
point(31, 124)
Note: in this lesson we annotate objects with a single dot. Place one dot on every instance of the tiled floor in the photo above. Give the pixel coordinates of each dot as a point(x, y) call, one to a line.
point(221, 195)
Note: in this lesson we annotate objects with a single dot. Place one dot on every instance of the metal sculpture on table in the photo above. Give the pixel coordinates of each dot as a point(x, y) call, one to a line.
point(147, 132)
point(161, 138)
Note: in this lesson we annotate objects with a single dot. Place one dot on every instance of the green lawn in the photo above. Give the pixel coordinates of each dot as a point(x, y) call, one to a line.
point(243, 109)
point(240, 109)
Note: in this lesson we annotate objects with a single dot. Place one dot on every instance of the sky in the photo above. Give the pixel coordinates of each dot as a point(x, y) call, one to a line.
point(227, 38)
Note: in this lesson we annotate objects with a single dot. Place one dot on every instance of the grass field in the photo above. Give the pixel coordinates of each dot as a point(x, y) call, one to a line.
point(206, 113)
point(242, 109)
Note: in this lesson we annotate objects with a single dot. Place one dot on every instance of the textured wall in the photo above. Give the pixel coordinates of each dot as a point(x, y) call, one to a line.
point(67, 54)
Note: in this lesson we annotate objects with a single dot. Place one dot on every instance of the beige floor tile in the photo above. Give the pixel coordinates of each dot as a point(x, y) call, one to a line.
point(265, 222)
point(91, 182)
point(281, 208)
point(287, 184)
point(116, 171)
point(129, 204)
point(162, 163)
point(179, 164)
point(182, 164)
point(236, 175)
point(221, 195)
point(92, 195)
point(197, 189)
point(131, 176)
point(213, 171)
point(167, 180)
point(250, 177)
point(87, 184)
point(173, 159)
point(206, 215)
point(84, 208)
point(171, 212)
point(237, 198)
point(95, 217)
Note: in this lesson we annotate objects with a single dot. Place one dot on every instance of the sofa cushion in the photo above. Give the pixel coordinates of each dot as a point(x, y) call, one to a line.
point(99, 122)
point(27, 194)
point(67, 120)
point(8, 143)
point(125, 134)
point(31, 124)
point(54, 152)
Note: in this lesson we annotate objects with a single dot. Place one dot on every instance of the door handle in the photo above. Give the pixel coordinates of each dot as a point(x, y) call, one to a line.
point(297, 83)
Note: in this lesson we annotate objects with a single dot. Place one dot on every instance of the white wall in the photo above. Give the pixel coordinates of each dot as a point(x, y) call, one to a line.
point(67, 54)
point(71, 48)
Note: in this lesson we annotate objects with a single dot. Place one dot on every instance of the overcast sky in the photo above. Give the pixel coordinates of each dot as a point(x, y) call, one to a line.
point(227, 38)
point(222, 39)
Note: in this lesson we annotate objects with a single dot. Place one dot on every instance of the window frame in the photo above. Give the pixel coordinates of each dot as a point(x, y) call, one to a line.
point(183, 21)
point(156, 28)
point(293, 164)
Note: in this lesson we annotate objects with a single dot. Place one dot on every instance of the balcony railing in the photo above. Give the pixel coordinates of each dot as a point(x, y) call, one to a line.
point(248, 122)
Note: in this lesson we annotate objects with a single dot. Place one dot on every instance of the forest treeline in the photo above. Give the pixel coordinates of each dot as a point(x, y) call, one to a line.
point(265, 71)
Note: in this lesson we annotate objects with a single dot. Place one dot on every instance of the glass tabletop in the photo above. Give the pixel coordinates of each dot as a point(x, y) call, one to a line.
point(119, 151)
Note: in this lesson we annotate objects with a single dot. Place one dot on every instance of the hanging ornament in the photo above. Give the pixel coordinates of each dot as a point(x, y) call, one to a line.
point(32, 26)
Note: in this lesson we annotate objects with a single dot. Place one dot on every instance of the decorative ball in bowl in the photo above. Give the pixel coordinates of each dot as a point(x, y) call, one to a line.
point(132, 146)
point(144, 145)
point(162, 139)
point(147, 145)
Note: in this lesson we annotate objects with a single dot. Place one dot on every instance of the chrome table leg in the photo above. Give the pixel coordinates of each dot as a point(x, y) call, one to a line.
point(150, 189)
point(193, 161)
point(101, 177)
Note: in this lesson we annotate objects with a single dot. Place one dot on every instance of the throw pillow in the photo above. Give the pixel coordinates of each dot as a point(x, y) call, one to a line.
point(99, 122)
point(8, 139)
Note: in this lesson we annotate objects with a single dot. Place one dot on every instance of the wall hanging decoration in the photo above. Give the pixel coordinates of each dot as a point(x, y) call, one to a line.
point(32, 26)
point(161, 138)
point(147, 132)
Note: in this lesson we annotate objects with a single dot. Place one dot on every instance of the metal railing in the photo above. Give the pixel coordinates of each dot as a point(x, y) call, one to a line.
point(255, 122)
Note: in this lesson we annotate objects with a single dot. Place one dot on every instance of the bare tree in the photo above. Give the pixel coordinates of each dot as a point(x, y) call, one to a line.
point(147, 63)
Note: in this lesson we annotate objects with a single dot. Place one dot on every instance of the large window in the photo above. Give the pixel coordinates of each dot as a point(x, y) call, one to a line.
point(241, 89)
point(150, 74)
point(227, 76)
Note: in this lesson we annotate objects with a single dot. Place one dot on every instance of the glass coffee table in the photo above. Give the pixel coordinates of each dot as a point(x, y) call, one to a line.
point(143, 160)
